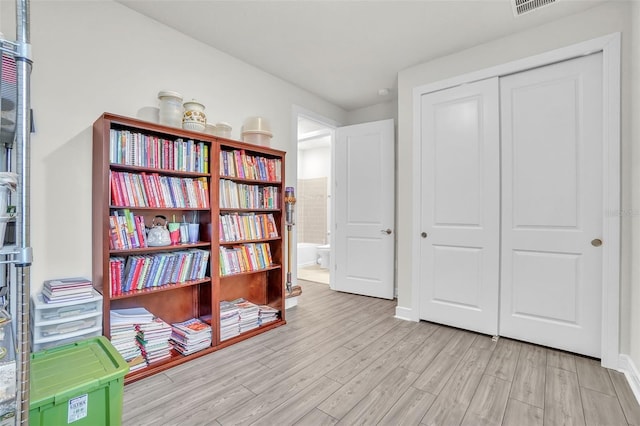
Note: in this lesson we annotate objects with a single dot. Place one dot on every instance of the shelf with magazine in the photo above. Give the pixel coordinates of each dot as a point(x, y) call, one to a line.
point(249, 234)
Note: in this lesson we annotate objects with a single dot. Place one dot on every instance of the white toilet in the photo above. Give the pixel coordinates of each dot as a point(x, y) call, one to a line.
point(323, 255)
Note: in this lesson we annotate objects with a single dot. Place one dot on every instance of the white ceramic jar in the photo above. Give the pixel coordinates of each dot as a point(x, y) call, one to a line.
point(170, 113)
point(194, 117)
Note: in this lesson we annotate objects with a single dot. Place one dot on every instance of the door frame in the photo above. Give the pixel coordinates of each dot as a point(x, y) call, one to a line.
point(298, 111)
point(610, 46)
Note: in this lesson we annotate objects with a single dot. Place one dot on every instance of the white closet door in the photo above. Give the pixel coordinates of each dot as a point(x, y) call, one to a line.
point(460, 206)
point(552, 205)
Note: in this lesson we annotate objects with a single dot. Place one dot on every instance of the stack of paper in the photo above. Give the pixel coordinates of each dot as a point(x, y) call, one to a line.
point(130, 316)
point(66, 289)
point(123, 335)
point(267, 314)
point(139, 336)
point(229, 319)
point(153, 339)
point(248, 314)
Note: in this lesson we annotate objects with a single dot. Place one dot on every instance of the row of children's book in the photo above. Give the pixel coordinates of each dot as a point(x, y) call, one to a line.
point(155, 270)
point(154, 190)
point(126, 230)
point(242, 196)
point(137, 149)
point(239, 164)
point(247, 226)
point(244, 258)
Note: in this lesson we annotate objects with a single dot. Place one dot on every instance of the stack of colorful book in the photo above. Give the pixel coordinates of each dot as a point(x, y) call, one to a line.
point(190, 336)
point(153, 340)
point(123, 340)
point(229, 319)
point(67, 289)
point(124, 334)
point(140, 337)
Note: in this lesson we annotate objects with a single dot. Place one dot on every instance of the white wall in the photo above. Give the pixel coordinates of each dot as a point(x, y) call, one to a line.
point(634, 297)
point(602, 20)
point(381, 111)
point(314, 163)
point(96, 56)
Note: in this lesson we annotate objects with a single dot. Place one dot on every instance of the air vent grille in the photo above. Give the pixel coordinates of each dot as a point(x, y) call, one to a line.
point(520, 7)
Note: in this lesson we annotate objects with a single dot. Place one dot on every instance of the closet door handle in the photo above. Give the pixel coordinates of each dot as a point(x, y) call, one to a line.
point(423, 235)
point(386, 231)
point(597, 242)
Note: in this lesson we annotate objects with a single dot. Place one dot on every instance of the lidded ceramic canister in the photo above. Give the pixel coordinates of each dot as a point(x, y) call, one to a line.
point(170, 108)
point(194, 117)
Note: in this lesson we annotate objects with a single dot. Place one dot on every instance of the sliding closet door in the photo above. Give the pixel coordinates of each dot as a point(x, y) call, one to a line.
point(460, 206)
point(551, 129)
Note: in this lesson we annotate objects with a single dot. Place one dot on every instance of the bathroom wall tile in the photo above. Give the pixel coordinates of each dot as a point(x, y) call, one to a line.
point(312, 211)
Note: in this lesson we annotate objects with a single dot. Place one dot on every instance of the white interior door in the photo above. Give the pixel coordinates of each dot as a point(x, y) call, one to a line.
point(461, 207)
point(364, 252)
point(552, 205)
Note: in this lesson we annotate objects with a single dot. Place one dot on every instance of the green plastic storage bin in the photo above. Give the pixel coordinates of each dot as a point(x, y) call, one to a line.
point(80, 384)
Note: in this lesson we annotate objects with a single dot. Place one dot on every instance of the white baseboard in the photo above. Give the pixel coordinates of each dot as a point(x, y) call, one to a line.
point(630, 371)
point(404, 314)
point(290, 302)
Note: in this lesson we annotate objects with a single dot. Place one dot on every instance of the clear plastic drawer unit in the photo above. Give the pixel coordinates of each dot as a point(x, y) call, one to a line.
point(54, 324)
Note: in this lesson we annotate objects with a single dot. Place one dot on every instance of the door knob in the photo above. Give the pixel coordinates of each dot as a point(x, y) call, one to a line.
point(386, 231)
point(423, 235)
point(597, 242)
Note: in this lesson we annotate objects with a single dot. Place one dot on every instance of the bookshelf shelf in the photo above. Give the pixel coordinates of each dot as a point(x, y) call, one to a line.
point(259, 240)
point(251, 181)
point(166, 287)
point(257, 271)
point(160, 249)
point(142, 170)
point(175, 359)
point(250, 333)
point(239, 210)
point(167, 172)
point(165, 209)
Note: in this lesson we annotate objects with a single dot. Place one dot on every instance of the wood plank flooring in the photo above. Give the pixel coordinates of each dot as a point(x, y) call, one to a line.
point(343, 359)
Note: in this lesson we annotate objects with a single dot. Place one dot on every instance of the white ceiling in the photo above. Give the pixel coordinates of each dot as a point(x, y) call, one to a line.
point(345, 51)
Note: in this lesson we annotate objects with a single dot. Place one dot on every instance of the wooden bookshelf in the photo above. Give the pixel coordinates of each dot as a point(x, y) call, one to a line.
point(205, 158)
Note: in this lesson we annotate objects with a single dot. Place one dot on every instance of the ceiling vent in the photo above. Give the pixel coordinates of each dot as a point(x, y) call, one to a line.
point(520, 7)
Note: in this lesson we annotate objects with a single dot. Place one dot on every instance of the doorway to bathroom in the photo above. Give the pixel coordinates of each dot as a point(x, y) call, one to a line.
point(313, 194)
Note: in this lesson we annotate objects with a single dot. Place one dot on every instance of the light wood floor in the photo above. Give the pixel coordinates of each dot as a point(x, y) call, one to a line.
point(314, 273)
point(344, 359)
